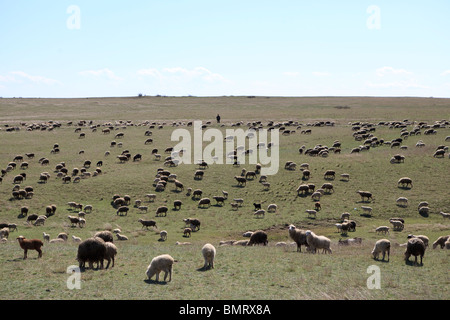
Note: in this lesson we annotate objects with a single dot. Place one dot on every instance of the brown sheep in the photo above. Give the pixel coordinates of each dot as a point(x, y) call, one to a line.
point(30, 244)
point(415, 247)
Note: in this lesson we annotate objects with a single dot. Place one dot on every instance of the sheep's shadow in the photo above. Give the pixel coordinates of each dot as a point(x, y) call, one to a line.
point(149, 281)
point(203, 269)
point(404, 187)
point(413, 263)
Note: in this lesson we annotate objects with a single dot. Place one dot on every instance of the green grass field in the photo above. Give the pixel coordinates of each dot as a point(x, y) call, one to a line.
point(240, 273)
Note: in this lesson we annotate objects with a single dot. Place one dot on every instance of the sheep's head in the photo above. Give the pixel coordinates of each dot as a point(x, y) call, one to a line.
point(308, 232)
point(291, 227)
point(20, 238)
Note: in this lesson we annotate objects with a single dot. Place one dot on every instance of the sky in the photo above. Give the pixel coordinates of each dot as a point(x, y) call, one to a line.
point(77, 48)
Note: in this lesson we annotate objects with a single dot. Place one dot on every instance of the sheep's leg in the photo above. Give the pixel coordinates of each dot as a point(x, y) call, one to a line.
point(39, 252)
point(25, 253)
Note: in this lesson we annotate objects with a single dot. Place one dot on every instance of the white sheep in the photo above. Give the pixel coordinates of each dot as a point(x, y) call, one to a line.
point(121, 237)
point(209, 253)
point(239, 201)
point(311, 212)
point(398, 225)
point(240, 243)
point(383, 229)
point(318, 242)
point(402, 201)
point(76, 239)
point(260, 213)
point(160, 263)
point(46, 236)
point(272, 207)
point(381, 246)
point(367, 210)
point(178, 243)
point(345, 216)
point(425, 239)
point(226, 242)
point(445, 215)
point(247, 234)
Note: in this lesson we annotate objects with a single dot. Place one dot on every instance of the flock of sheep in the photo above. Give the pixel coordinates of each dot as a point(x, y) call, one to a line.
point(100, 247)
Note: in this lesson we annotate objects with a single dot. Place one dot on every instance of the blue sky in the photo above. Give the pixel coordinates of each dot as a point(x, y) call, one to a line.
point(102, 48)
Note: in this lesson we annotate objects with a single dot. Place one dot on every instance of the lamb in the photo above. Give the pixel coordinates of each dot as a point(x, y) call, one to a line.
point(143, 208)
point(147, 223)
point(30, 244)
point(160, 263)
point(46, 236)
point(345, 215)
point(121, 237)
point(226, 242)
point(383, 229)
point(111, 252)
point(258, 237)
point(178, 243)
point(209, 253)
point(247, 234)
point(350, 241)
point(299, 237)
point(441, 241)
point(318, 242)
point(151, 197)
point(241, 181)
point(91, 250)
point(415, 247)
point(239, 201)
point(240, 243)
point(381, 246)
point(425, 239)
point(76, 239)
point(423, 211)
point(187, 232)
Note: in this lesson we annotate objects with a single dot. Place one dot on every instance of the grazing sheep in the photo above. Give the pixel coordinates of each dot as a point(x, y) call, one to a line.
point(147, 223)
point(76, 239)
point(209, 253)
point(219, 199)
point(234, 205)
point(163, 235)
point(239, 201)
point(161, 210)
point(204, 202)
point(424, 211)
point(110, 254)
point(193, 223)
point(258, 237)
point(345, 177)
point(365, 194)
point(366, 210)
point(415, 247)
point(160, 263)
point(381, 246)
point(241, 181)
point(441, 241)
point(178, 243)
point(74, 220)
point(447, 244)
point(272, 207)
point(91, 250)
point(318, 242)
point(143, 208)
point(345, 216)
point(57, 240)
point(382, 229)
point(425, 239)
point(151, 197)
point(4, 233)
point(402, 201)
point(30, 244)
point(299, 237)
point(106, 236)
point(247, 234)
point(187, 232)
point(259, 213)
point(404, 182)
point(398, 225)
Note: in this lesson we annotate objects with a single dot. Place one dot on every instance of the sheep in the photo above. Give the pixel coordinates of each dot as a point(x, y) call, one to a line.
point(259, 213)
point(425, 239)
point(161, 210)
point(187, 232)
point(193, 223)
point(63, 236)
point(4, 233)
point(365, 194)
point(367, 210)
point(447, 244)
point(404, 182)
point(163, 235)
point(317, 242)
point(381, 246)
point(204, 202)
point(240, 243)
point(350, 241)
point(160, 263)
point(272, 207)
point(30, 244)
point(178, 243)
point(121, 237)
point(345, 177)
point(345, 215)
point(423, 211)
point(74, 220)
point(402, 201)
point(209, 253)
point(46, 236)
point(398, 225)
point(111, 252)
point(147, 223)
point(151, 197)
point(226, 242)
point(143, 208)
point(441, 241)
point(383, 229)
point(445, 215)
point(311, 212)
point(76, 239)
point(234, 205)
point(239, 201)
point(40, 221)
point(91, 250)
point(247, 234)
point(258, 237)
point(299, 237)
point(415, 247)
point(219, 199)
point(106, 236)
